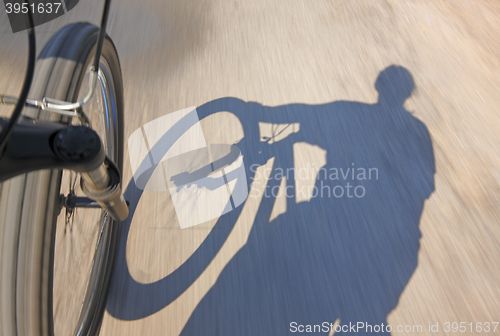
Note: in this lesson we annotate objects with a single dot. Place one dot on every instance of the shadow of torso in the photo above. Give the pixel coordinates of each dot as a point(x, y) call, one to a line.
point(331, 257)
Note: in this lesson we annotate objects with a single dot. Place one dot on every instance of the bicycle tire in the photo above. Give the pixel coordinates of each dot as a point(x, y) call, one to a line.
point(30, 203)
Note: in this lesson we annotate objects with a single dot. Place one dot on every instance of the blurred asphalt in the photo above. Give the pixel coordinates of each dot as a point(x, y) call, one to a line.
point(422, 246)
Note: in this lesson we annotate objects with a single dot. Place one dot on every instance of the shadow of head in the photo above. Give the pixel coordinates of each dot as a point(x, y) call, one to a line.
point(394, 84)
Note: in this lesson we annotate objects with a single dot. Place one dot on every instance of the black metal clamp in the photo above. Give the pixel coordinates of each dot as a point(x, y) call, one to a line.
point(47, 145)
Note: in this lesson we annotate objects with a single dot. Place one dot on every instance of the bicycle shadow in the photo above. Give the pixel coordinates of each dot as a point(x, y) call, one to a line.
point(331, 257)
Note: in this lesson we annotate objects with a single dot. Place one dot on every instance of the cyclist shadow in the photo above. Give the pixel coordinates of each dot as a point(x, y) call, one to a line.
point(332, 257)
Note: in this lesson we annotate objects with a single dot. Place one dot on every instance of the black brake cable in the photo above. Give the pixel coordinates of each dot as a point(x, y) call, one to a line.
point(28, 79)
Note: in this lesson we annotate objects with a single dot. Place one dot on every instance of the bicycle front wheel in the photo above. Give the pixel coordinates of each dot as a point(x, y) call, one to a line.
point(55, 261)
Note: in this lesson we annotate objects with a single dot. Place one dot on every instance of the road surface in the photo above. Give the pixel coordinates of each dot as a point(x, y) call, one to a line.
point(421, 246)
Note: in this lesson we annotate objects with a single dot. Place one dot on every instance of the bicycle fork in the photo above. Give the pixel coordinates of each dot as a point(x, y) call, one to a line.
point(44, 145)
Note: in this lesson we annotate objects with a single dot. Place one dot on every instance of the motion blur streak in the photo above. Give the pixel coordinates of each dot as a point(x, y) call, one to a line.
point(407, 87)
